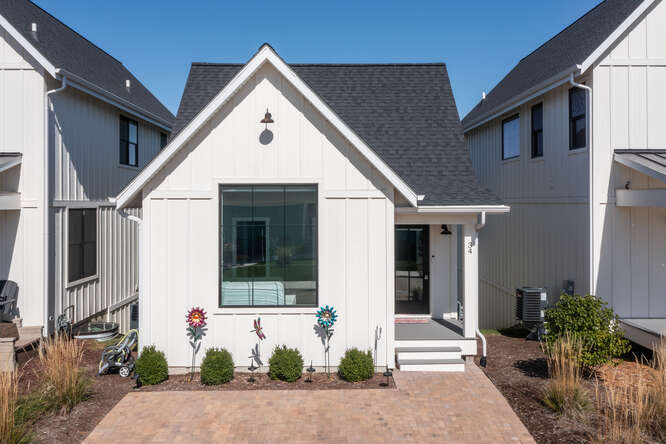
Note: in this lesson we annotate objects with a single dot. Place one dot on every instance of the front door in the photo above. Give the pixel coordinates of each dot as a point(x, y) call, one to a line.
point(412, 295)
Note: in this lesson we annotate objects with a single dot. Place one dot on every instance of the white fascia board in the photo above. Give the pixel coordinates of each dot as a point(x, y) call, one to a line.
point(653, 197)
point(265, 54)
point(13, 32)
point(99, 93)
point(617, 34)
point(526, 96)
point(456, 209)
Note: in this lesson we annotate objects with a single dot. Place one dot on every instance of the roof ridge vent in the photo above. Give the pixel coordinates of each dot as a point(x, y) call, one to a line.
point(483, 95)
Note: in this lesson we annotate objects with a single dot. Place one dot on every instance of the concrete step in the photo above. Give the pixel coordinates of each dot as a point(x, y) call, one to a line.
point(428, 352)
point(431, 365)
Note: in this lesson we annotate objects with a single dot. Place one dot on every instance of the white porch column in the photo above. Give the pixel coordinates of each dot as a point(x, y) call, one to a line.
point(470, 279)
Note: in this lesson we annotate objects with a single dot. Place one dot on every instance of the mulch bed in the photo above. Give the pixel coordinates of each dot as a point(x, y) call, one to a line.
point(518, 368)
point(108, 390)
point(320, 381)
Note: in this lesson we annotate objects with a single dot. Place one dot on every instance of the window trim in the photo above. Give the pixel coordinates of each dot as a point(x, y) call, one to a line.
point(94, 276)
point(121, 139)
point(505, 121)
point(573, 90)
point(260, 308)
point(533, 132)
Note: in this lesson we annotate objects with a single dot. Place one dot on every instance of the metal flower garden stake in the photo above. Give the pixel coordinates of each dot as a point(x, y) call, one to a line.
point(196, 323)
point(326, 317)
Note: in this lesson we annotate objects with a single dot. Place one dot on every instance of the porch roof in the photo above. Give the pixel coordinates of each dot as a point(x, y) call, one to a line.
point(650, 162)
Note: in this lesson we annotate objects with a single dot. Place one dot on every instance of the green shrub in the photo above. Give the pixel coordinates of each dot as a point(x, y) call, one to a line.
point(151, 366)
point(217, 367)
point(356, 365)
point(587, 318)
point(285, 364)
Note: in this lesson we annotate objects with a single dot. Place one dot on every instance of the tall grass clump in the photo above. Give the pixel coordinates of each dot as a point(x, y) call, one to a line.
point(657, 392)
point(64, 382)
point(634, 410)
point(12, 431)
point(565, 392)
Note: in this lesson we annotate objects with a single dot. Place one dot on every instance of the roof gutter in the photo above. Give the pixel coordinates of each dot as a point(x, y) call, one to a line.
point(532, 93)
point(457, 209)
point(112, 99)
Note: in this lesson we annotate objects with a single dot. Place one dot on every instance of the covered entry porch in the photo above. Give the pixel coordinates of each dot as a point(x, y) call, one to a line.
point(436, 286)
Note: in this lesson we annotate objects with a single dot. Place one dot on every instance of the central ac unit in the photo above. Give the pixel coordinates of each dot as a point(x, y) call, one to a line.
point(531, 304)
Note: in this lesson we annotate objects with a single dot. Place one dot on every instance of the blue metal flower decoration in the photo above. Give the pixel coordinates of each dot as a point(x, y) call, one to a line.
point(326, 317)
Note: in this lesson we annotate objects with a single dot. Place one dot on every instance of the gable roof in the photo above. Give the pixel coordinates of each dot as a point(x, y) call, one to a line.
point(67, 53)
point(566, 53)
point(405, 113)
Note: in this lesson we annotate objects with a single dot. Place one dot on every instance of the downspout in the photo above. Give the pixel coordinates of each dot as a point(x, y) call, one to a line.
point(45, 201)
point(484, 355)
point(591, 178)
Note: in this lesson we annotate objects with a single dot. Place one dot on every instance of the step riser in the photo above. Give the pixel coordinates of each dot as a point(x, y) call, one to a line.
point(468, 346)
point(433, 368)
point(429, 355)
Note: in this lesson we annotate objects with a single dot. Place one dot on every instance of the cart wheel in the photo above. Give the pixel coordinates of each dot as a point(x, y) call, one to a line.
point(124, 371)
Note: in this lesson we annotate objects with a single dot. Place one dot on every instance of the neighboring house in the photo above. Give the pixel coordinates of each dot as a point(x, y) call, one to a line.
point(536, 140)
point(75, 127)
point(289, 187)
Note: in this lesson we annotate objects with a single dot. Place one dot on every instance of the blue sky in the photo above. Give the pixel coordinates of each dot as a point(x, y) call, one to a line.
point(480, 41)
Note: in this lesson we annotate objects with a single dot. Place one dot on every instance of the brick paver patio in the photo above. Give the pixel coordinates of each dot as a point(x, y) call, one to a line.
point(426, 407)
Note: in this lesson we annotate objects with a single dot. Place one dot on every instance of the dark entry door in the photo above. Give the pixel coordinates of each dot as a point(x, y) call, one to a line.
point(412, 295)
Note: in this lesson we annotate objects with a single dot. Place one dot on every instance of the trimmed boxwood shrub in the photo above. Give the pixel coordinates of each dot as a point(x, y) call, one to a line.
point(285, 364)
point(589, 319)
point(217, 367)
point(356, 365)
point(151, 366)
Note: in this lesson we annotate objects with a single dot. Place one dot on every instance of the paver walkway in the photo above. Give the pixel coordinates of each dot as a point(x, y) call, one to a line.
point(426, 407)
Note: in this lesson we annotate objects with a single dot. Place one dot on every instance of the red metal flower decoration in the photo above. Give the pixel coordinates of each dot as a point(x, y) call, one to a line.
point(196, 317)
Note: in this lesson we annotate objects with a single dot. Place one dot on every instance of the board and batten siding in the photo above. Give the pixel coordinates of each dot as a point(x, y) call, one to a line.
point(86, 173)
point(545, 238)
point(630, 113)
point(355, 230)
point(22, 131)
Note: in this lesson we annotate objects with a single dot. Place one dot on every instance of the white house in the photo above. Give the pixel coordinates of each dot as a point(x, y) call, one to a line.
point(75, 127)
point(289, 187)
point(573, 139)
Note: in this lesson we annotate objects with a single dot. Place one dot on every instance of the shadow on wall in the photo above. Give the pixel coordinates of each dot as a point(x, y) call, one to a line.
point(9, 222)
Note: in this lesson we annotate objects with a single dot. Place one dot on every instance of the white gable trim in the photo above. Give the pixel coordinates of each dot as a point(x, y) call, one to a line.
point(28, 47)
point(265, 54)
point(617, 34)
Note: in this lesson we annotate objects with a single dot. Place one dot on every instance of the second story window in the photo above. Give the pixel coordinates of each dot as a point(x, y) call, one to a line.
point(511, 137)
point(163, 140)
point(577, 118)
point(537, 130)
point(129, 142)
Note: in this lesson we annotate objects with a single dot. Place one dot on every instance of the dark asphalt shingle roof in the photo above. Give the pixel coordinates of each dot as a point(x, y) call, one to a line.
point(406, 113)
point(570, 47)
point(64, 48)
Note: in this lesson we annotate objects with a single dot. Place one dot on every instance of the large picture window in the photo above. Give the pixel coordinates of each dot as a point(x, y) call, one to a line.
point(268, 238)
point(511, 137)
point(577, 118)
point(82, 244)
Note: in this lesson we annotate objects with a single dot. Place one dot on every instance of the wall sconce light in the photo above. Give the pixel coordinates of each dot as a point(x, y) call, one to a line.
point(267, 118)
point(445, 230)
